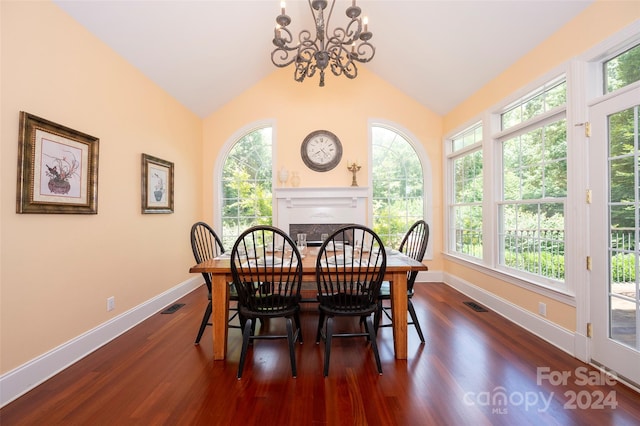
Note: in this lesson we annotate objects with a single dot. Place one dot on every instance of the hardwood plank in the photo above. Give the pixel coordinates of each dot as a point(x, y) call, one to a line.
point(153, 374)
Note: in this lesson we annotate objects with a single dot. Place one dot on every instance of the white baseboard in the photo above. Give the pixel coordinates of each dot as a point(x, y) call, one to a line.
point(17, 382)
point(20, 380)
point(430, 277)
point(546, 330)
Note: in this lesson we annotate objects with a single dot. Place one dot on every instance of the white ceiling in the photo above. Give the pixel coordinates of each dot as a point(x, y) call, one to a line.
point(206, 52)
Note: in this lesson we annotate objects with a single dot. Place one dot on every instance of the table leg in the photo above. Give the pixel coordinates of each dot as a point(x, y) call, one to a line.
point(219, 314)
point(399, 313)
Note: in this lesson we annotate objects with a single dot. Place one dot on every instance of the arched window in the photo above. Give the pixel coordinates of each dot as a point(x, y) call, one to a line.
point(398, 185)
point(246, 184)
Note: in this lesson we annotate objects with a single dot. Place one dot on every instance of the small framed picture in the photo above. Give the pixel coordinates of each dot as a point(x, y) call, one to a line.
point(57, 168)
point(157, 185)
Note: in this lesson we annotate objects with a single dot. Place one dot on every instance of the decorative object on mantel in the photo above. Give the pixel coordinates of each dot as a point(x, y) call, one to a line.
point(157, 185)
point(321, 151)
point(57, 168)
point(295, 179)
point(339, 50)
point(354, 168)
point(283, 176)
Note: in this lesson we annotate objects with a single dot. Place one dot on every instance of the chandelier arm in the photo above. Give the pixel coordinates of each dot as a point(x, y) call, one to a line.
point(282, 58)
point(349, 70)
point(364, 52)
point(350, 34)
point(342, 62)
point(307, 52)
point(278, 38)
point(305, 37)
point(305, 61)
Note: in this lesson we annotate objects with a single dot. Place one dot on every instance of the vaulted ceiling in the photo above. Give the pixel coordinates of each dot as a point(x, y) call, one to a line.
point(204, 53)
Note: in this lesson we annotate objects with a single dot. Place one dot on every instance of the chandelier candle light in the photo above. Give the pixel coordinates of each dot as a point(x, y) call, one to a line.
point(339, 50)
point(354, 168)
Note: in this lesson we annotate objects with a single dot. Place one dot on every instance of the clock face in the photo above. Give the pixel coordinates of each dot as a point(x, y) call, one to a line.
point(321, 151)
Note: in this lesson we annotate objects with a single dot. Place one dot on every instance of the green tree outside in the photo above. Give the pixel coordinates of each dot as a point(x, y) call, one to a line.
point(247, 185)
point(398, 184)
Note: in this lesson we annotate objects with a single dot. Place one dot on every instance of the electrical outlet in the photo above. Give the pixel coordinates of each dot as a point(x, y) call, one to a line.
point(542, 309)
point(111, 303)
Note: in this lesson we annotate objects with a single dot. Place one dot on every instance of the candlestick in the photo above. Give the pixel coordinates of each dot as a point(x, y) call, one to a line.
point(354, 168)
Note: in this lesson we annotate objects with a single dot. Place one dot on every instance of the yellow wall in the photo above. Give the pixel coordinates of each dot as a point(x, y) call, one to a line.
point(344, 107)
point(596, 23)
point(57, 271)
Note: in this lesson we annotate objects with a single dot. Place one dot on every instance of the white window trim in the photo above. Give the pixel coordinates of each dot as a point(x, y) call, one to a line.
point(552, 293)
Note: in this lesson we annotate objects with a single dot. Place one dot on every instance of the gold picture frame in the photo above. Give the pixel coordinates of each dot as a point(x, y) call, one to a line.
point(157, 185)
point(57, 168)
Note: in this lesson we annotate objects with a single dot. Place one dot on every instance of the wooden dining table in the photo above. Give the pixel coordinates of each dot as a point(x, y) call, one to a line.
point(398, 265)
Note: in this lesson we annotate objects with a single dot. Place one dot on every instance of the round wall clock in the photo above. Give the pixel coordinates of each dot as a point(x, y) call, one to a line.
point(321, 150)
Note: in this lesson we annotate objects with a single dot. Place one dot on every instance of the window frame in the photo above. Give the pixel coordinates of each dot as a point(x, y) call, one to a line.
point(452, 155)
point(537, 122)
point(221, 158)
point(427, 175)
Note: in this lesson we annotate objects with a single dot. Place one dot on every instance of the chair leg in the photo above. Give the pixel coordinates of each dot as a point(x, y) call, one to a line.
point(203, 325)
point(235, 314)
point(376, 316)
point(414, 319)
point(292, 353)
point(363, 320)
point(296, 318)
point(241, 320)
point(320, 325)
point(374, 345)
point(327, 345)
point(246, 334)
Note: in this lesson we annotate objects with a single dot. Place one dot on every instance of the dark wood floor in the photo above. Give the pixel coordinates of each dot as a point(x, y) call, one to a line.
point(475, 368)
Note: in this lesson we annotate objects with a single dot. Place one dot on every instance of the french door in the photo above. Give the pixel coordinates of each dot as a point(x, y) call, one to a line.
point(614, 174)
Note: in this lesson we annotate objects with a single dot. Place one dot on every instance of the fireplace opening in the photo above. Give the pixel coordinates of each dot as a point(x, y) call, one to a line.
point(314, 231)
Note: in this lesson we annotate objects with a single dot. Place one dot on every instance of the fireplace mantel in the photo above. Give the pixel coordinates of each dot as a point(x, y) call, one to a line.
point(321, 205)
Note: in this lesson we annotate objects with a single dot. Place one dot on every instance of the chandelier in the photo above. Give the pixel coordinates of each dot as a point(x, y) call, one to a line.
point(339, 50)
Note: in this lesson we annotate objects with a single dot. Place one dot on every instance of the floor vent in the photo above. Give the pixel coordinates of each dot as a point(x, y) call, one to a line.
point(171, 309)
point(475, 306)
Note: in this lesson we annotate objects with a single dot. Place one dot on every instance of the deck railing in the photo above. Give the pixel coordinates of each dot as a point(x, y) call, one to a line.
point(541, 251)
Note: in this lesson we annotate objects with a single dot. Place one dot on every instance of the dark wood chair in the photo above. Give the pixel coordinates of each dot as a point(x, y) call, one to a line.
point(414, 245)
point(349, 279)
point(267, 272)
point(206, 245)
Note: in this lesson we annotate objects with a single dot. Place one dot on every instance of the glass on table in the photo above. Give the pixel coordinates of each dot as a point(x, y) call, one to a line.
point(357, 247)
point(302, 244)
point(269, 243)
